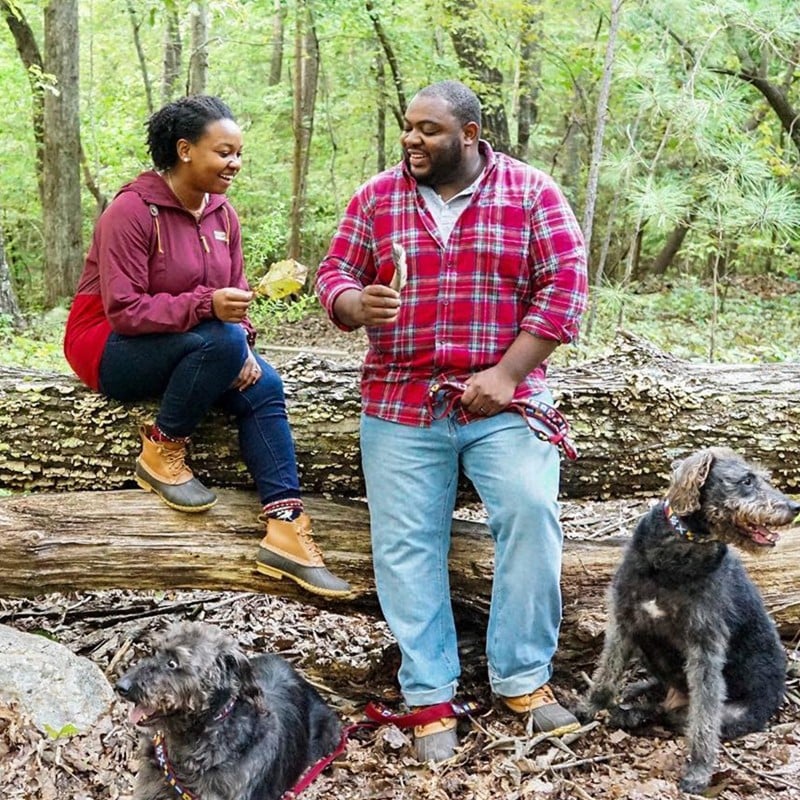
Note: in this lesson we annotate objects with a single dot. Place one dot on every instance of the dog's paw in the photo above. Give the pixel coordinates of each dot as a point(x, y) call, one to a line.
point(585, 710)
point(630, 717)
point(695, 780)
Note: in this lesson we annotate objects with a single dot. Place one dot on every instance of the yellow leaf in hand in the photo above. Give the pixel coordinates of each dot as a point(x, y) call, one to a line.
point(282, 279)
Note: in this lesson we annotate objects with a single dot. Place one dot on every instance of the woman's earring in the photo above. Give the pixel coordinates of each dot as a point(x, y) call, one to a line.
point(186, 158)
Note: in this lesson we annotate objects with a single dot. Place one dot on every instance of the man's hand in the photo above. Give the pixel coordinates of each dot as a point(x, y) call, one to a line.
point(373, 305)
point(488, 392)
point(230, 304)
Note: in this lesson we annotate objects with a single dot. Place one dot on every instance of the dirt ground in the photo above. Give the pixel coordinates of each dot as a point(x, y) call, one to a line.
point(352, 659)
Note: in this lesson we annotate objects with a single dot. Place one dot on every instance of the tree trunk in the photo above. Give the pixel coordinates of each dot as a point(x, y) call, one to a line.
point(173, 49)
point(306, 65)
point(136, 26)
point(9, 307)
point(530, 74)
point(632, 414)
point(672, 245)
point(276, 57)
point(600, 125)
point(487, 80)
point(400, 109)
point(61, 207)
point(198, 60)
point(88, 541)
point(380, 115)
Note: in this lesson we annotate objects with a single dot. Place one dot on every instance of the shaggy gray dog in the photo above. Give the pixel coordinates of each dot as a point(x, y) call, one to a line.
point(682, 602)
point(226, 727)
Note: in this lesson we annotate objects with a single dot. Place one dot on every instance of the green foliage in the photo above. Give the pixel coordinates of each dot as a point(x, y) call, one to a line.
point(756, 321)
point(62, 733)
point(270, 316)
point(685, 136)
point(37, 347)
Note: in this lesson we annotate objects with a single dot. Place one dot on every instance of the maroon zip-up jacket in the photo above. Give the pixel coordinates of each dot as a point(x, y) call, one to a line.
point(151, 268)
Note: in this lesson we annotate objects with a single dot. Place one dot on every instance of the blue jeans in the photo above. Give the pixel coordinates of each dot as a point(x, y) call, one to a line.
point(412, 477)
point(192, 372)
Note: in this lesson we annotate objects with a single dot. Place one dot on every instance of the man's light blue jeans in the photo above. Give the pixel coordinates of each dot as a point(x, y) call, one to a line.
point(412, 477)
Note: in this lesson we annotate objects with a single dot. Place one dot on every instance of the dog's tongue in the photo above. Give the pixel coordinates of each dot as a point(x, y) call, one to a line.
point(764, 537)
point(139, 713)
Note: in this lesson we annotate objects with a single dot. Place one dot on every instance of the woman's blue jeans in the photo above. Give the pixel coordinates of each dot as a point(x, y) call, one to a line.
point(412, 477)
point(192, 372)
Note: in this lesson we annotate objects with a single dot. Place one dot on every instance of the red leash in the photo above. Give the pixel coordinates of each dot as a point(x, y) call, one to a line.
point(377, 715)
point(548, 416)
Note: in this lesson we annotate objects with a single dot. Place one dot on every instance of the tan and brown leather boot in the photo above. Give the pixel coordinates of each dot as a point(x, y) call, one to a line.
point(547, 714)
point(161, 468)
point(288, 550)
point(436, 741)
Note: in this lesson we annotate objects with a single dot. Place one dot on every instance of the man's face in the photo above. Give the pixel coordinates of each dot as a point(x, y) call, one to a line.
point(432, 141)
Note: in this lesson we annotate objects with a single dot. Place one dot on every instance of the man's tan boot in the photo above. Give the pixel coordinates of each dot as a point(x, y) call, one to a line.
point(288, 550)
point(161, 468)
point(547, 714)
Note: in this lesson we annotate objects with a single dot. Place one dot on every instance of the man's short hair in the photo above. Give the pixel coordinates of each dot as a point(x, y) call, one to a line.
point(461, 99)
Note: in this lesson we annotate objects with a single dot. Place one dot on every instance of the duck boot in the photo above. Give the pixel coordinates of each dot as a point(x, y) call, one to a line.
point(547, 714)
point(161, 468)
point(288, 550)
point(436, 741)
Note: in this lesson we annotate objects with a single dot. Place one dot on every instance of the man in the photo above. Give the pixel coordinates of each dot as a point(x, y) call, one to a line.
point(496, 281)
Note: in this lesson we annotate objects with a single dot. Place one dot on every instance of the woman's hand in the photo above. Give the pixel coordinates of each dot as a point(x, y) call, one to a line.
point(230, 304)
point(249, 373)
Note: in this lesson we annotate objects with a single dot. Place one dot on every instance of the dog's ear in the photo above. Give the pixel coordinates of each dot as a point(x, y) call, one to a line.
point(241, 674)
point(688, 477)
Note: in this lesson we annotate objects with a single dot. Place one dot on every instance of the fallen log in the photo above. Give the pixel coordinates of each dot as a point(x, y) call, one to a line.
point(632, 414)
point(86, 541)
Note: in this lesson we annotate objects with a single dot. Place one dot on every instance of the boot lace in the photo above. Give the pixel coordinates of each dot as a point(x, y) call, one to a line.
point(174, 459)
point(304, 533)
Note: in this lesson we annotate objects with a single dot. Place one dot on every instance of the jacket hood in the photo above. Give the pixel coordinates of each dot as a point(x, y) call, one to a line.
point(153, 189)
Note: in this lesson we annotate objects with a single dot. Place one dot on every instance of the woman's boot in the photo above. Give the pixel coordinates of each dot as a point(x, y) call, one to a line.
point(161, 468)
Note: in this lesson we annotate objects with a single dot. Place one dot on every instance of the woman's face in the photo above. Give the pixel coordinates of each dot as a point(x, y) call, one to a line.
point(214, 159)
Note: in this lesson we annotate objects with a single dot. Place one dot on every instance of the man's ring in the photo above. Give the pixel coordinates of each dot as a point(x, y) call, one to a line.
point(482, 409)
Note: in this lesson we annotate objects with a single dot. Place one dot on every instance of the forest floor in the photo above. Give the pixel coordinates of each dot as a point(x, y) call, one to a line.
point(352, 659)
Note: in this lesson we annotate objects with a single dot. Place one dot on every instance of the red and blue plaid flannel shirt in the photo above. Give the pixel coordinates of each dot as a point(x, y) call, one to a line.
point(514, 262)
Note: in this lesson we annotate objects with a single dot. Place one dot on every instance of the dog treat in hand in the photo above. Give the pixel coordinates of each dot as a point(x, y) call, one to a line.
point(400, 276)
point(394, 273)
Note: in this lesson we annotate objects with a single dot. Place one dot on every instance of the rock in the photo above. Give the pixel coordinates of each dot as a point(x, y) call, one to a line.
point(54, 687)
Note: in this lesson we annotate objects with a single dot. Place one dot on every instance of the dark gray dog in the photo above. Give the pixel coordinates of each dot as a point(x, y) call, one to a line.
point(682, 602)
point(226, 727)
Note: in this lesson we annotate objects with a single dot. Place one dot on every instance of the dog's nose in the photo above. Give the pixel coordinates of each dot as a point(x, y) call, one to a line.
point(123, 687)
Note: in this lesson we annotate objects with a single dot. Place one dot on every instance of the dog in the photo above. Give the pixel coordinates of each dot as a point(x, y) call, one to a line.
point(682, 602)
point(226, 727)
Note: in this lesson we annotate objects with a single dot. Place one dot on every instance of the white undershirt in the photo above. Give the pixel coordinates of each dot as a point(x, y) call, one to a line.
point(445, 213)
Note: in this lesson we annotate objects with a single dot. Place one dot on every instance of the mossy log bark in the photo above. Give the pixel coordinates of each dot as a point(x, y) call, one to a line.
point(83, 541)
point(632, 414)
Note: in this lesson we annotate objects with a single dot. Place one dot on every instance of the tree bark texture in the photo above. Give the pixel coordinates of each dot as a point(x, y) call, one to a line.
point(86, 541)
point(632, 414)
point(198, 60)
point(61, 203)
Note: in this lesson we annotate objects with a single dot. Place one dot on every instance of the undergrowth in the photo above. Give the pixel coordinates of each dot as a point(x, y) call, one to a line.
point(749, 321)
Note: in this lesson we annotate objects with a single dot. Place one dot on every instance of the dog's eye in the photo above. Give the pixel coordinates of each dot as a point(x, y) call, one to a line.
point(172, 664)
point(747, 480)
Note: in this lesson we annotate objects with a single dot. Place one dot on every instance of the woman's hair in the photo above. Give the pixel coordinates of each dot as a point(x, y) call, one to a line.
point(186, 118)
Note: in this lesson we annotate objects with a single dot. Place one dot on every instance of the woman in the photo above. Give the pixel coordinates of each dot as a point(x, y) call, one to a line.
point(161, 311)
